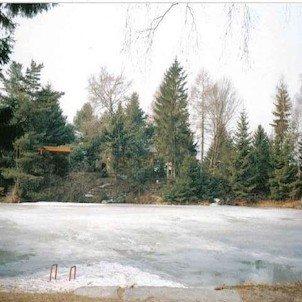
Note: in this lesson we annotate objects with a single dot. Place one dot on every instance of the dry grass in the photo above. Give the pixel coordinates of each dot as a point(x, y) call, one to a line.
point(289, 204)
point(144, 198)
point(290, 292)
point(51, 297)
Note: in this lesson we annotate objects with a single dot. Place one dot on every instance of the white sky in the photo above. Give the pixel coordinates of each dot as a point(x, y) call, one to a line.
point(73, 40)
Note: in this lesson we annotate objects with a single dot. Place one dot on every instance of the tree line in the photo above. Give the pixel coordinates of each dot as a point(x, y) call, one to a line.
point(112, 136)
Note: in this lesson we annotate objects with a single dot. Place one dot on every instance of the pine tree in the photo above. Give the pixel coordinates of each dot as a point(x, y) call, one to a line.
point(261, 162)
point(242, 176)
point(173, 137)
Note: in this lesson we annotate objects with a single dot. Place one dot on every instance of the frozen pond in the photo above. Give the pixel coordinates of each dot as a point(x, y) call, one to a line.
point(190, 246)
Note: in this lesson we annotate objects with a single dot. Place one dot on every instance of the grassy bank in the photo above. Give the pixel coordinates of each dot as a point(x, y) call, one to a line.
point(290, 292)
point(93, 188)
point(289, 204)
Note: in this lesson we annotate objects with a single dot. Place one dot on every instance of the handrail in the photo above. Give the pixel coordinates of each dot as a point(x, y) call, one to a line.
point(55, 267)
point(73, 270)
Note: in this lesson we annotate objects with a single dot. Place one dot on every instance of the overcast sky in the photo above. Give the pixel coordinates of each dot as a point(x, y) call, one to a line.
point(73, 40)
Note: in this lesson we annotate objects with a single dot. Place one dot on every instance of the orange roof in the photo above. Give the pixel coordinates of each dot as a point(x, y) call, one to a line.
point(56, 149)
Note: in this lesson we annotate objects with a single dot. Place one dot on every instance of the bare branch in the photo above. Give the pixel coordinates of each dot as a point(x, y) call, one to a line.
point(246, 29)
point(149, 33)
point(222, 105)
point(107, 90)
point(239, 14)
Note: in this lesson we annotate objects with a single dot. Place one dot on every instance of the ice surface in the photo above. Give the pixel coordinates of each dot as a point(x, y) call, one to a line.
point(121, 245)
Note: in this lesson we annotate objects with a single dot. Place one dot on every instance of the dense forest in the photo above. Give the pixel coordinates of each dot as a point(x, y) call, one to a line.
point(112, 138)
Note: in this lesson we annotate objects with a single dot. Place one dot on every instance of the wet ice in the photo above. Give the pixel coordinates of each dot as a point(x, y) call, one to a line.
point(147, 245)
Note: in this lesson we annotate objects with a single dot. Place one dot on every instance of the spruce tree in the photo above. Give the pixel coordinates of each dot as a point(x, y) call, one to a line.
point(140, 169)
point(299, 174)
point(261, 162)
point(281, 115)
point(284, 175)
point(49, 123)
point(188, 185)
point(173, 138)
point(33, 78)
point(135, 123)
point(119, 142)
point(242, 176)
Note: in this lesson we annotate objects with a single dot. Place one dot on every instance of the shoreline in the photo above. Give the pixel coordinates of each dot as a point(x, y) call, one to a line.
point(265, 204)
point(235, 293)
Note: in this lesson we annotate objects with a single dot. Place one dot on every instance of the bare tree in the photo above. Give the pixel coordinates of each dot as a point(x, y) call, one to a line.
point(214, 105)
point(297, 109)
point(297, 126)
point(222, 104)
point(107, 90)
point(199, 99)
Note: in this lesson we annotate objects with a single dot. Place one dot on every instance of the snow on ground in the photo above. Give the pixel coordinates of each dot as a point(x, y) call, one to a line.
point(122, 245)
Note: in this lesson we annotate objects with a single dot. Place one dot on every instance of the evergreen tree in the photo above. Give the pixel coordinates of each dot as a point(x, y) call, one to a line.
point(9, 12)
point(173, 137)
point(139, 134)
point(242, 176)
point(16, 97)
point(281, 115)
point(187, 187)
point(135, 115)
point(126, 144)
point(115, 140)
point(33, 78)
point(85, 156)
point(283, 182)
point(8, 131)
point(284, 175)
point(38, 118)
point(87, 123)
point(261, 162)
point(299, 175)
point(49, 123)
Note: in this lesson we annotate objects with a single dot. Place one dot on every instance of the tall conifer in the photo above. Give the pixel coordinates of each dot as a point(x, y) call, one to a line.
point(242, 178)
point(284, 175)
point(261, 162)
point(173, 137)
